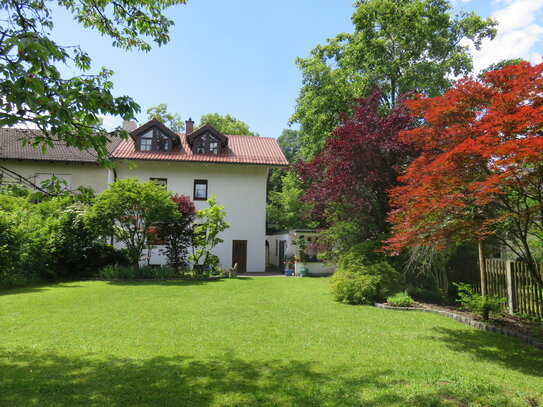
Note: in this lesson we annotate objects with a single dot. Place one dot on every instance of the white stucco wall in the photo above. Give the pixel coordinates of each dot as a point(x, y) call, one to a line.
point(274, 240)
point(241, 189)
point(81, 174)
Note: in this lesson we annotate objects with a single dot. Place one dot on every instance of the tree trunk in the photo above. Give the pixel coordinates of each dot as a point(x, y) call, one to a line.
point(482, 266)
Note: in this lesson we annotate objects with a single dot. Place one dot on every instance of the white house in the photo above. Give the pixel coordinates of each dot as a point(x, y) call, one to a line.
point(199, 163)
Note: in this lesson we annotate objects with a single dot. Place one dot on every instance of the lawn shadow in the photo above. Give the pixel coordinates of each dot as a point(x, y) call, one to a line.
point(495, 348)
point(29, 378)
point(42, 287)
point(180, 283)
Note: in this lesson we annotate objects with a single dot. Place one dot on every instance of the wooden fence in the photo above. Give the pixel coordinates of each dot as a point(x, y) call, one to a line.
point(512, 280)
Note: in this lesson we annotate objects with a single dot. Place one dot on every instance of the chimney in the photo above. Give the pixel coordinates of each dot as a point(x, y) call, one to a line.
point(189, 126)
point(129, 125)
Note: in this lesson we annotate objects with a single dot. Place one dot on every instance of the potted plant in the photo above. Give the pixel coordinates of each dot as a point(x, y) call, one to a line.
point(302, 259)
point(289, 264)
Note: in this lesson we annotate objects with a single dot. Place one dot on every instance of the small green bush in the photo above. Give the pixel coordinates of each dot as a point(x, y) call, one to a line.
point(361, 254)
point(364, 276)
point(474, 302)
point(433, 296)
point(351, 288)
point(130, 273)
point(400, 300)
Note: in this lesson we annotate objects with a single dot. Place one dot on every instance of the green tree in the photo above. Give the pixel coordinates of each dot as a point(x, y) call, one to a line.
point(172, 120)
point(209, 223)
point(290, 142)
point(286, 209)
point(63, 108)
point(177, 233)
point(227, 124)
point(398, 45)
point(128, 210)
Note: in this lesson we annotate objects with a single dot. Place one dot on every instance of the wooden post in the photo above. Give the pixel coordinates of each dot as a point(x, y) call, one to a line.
point(482, 267)
point(511, 292)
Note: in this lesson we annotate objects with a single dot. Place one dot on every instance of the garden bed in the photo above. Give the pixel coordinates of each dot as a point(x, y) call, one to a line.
point(528, 331)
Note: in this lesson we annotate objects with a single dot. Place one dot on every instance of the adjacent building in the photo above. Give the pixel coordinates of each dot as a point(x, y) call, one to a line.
point(199, 163)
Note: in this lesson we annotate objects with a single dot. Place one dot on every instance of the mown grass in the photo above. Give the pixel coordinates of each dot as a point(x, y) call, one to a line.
point(246, 342)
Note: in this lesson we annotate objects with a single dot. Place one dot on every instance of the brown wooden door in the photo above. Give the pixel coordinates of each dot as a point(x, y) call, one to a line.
point(281, 254)
point(239, 254)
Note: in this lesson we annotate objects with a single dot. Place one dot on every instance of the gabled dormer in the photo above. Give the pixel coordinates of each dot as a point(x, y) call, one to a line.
point(154, 136)
point(206, 140)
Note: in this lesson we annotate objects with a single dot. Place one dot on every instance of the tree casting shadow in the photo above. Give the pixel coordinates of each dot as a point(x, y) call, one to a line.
point(495, 348)
point(29, 378)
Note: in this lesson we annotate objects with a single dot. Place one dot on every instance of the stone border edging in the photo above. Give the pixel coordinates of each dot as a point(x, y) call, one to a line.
point(529, 340)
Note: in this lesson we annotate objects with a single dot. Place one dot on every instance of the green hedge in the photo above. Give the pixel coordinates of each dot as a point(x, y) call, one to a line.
point(48, 240)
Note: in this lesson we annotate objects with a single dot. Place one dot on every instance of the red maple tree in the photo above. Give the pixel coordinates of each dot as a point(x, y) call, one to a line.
point(480, 172)
point(176, 234)
point(349, 179)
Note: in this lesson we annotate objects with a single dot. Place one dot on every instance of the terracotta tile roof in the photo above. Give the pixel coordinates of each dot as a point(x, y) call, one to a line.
point(11, 148)
point(240, 150)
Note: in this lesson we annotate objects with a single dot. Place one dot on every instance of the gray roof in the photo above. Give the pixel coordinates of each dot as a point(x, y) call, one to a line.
point(11, 148)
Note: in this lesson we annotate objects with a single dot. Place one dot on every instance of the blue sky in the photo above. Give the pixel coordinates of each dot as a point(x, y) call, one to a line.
point(237, 56)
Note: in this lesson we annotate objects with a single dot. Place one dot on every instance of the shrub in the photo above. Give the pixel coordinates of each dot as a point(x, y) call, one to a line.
point(177, 232)
point(474, 302)
point(364, 253)
point(132, 273)
point(433, 296)
point(363, 276)
point(11, 252)
point(47, 240)
point(103, 255)
point(352, 288)
point(400, 300)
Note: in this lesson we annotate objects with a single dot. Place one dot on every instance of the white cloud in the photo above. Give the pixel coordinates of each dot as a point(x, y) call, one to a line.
point(518, 33)
point(111, 122)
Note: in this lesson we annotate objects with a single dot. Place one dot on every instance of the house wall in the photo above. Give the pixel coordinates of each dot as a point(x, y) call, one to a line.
point(274, 240)
point(315, 268)
point(89, 175)
point(241, 189)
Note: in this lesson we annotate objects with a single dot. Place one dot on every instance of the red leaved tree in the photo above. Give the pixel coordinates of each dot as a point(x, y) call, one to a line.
point(177, 233)
point(348, 181)
point(480, 172)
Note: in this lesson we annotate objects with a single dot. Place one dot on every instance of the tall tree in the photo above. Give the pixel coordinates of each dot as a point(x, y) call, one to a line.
point(286, 209)
point(33, 91)
point(480, 173)
point(227, 124)
point(172, 120)
point(129, 211)
point(290, 142)
point(399, 45)
point(347, 182)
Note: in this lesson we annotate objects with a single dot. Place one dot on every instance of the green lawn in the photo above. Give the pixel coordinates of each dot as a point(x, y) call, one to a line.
point(246, 342)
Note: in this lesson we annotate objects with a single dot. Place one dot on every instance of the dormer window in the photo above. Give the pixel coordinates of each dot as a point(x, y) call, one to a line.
point(154, 139)
point(207, 143)
point(207, 140)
